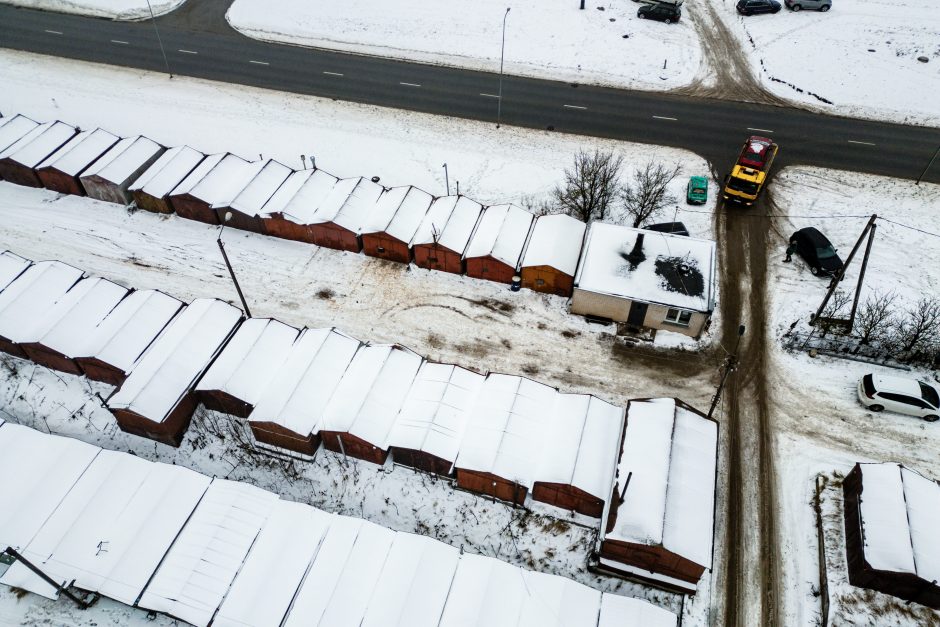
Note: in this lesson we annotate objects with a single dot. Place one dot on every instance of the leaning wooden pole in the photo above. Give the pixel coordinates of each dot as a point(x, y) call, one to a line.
point(861, 275)
point(838, 277)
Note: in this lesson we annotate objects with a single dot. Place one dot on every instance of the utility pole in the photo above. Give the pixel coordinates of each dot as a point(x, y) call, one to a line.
point(228, 216)
point(159, 41)
point(929, 163)
point(731, 364)
point(502, 56)
point(870, 231)
point(446, 179)
point(38, 572)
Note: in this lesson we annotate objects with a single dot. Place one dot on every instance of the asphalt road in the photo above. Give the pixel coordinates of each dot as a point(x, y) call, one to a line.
point(200, 43)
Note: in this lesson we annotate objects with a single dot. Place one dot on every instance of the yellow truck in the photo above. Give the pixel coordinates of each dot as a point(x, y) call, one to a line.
point(750, 171)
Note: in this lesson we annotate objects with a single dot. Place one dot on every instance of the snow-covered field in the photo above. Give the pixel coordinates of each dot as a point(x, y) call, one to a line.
point(862, 56)
point(112, 9)
point(605, 43)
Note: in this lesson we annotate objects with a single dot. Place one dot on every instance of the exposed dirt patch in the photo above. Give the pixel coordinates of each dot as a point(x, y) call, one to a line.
point(325, 294)
point(531, 369)
point(569, 333)
point(435, 341)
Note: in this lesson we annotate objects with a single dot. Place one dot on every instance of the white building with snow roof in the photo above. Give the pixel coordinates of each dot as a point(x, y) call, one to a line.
point(444, 233)
point(550, 259)
point(214, 182)
point(11, 266)
point(112, 174)
point(892, 515)
point(338, 219)
point(13, 129)
point(61, 170)
point(288, 213)
point(19, 161)
point(496, 246)
point(393, 222)
point(646, 279)
point(152, 189)
point(661, 522)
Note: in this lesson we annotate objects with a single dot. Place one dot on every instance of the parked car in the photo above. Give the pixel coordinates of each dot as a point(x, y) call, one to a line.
point(668, 13)
point(905, 396)
point(753, 7)
point(817, 251)
point(674, 228)
point(697, 191)
point(798, 5)
point(756, 151)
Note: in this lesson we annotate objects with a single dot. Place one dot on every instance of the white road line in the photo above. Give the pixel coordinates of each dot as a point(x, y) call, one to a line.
point(118, 41)
point(661, 117)
point(410, 84)
point(333, 73)
point(862, 143)
point(54, 32)
point(188, 51)
point(759, 130)
point(260, 62)
point(573, 107)
point(489, 95)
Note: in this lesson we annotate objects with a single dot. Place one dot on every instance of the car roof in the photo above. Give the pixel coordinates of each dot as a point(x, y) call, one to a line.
point(698, 179)
point(813, 235)
point(897, 385)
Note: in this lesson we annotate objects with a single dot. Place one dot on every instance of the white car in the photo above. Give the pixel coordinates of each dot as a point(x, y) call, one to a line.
point(905, 396)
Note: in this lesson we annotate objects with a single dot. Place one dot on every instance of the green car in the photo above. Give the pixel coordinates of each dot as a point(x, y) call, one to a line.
point(697, 193)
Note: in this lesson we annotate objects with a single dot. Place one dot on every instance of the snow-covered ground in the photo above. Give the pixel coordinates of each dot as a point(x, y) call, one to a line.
point(605, 43)
point(862, 56)
point(820, 425)
point(112, 9)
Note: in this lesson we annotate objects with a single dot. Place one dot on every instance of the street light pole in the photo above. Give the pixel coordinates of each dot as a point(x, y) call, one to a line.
point(731, 363)
point(446, 179)
point(930, 163)
point(160, 41)
point(502, 56)
point(228, 216)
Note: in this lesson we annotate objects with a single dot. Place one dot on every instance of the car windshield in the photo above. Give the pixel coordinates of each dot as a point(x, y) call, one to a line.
point(929, 394)
point(698, 190)
point(742, 186)
point(826, 252)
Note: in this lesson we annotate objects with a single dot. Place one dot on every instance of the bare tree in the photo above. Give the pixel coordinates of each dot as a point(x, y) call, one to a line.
point(874, 318)
point(591, 186)
point(646, 196)
point(919, 328)
point(539, 207)
point(833, 311)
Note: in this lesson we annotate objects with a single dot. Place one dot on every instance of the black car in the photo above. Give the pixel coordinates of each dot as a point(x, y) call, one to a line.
point(668, 13)
point(752, 7)
point(816, 251)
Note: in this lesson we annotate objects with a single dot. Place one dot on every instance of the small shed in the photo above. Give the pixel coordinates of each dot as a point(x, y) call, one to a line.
point(442, 237)
point(64, 329)
point(337, 221)
point(156, 400)
point(111, 349)
point(35, 290)
point(388, 229)
point(112, 174)
point(290, 410)
point(13, 129)
point(891, 544)
point(288, 212)
point(246, 206)
point(151, 190)
point(431, 423)
point(646, 279)
point(497, 243)
point(61, 170)
point(11, 266)
point(245, 367)
point(216, 181)
point(505, 437)
point(19, 161)
point(551, 255)
point(659, 526)
point(364, 406)
point(579, 459)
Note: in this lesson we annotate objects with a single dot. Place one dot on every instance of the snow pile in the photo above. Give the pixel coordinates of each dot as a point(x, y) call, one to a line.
point(112, 9)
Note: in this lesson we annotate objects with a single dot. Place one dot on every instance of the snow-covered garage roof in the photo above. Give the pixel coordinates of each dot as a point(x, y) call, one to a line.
point(900, 515)
point(36, 290)
point(348, 204)
point(580, 447)
point(196, 573)
point(221, 182)
point(44, 140)
point(69, 323)
point(303, 386)
point(367, 400)
point(168, 171)
point(618, 611)
point(676, 270)
point(435, 412)
point(301, 195)
point(123, 159)
point(670, 457)
point(501, 233)
point(169, 368)
point(398, 212)
point(453, 218)
point(14, 129)
point(268, 179)
point(250, 359)
point(80, 151)
point(555, 242)
point(11, 266)
point(129, 328)
point(199, 173)
point(505, 432)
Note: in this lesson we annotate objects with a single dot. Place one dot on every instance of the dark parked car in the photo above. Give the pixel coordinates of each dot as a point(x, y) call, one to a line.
point(752, 7)
point(668, 13)
point(816, 251)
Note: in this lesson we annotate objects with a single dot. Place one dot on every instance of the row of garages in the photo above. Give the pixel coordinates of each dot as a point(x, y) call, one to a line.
point(646, 279)
point(209, 551)
point(645, 471)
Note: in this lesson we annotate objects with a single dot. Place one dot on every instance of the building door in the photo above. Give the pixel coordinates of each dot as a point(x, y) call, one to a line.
point(637, 314)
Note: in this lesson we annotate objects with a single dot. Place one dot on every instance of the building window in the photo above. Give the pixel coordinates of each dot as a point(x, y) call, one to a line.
point(679, 317)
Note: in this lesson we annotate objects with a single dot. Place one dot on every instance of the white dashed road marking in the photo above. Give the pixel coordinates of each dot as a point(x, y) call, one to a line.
point(54, 32)
point(489, 95)
point(851, 141)
point(188, 51)
point(573, 107)
point(661, 117)
point(260, 62)
point(118, 41)
point(759, 130)
point(410, 84)
point(333, 73)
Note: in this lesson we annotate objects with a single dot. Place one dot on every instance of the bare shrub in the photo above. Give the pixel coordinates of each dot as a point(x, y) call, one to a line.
point(645, 198)
point(874, 318)
point(917, 330)
point(591, 186)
